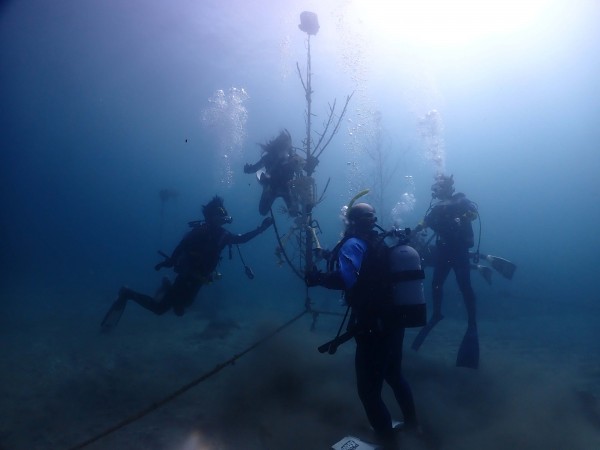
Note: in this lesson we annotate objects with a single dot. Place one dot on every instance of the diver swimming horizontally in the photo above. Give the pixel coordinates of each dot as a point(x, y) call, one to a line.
point(194, 261)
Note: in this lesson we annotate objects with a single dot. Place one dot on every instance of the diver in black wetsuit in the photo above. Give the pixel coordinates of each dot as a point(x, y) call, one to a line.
point(194, 261)
point(450, 218)
point(281, 165)
point(362, 265)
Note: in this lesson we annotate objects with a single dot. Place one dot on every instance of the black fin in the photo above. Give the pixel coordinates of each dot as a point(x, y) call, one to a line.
point(112, 317)
point(485, 272)
point(468, 353)
point(503, 266)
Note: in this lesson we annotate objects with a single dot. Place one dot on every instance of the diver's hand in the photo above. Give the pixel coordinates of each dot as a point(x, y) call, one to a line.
point(266, 223)
point(322, 253)
point(166, 263)
point(313, 278)
point(248, 168)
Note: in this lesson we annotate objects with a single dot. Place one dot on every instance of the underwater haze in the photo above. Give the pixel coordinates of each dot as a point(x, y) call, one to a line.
point(120, 119)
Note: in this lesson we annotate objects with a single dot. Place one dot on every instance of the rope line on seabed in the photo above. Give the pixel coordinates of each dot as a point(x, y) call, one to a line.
point(185, 387)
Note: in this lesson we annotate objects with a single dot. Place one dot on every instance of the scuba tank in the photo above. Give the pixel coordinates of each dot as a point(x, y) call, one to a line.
point(406, 277)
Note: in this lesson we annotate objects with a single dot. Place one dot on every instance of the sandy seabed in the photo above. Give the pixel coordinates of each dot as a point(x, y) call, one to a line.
point(63, 382)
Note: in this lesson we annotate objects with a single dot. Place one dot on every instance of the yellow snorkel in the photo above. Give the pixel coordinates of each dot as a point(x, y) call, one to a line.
point(357, 196)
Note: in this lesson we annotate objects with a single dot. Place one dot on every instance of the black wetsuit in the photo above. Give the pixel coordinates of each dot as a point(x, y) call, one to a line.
point(451, 220)
point(195, 260)
point(379, 340)
point(280, 167)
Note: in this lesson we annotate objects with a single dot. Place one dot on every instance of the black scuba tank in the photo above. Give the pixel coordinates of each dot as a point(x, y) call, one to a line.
point(408, 299)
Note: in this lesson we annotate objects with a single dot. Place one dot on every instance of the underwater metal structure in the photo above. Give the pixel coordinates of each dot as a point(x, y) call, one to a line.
point(303, 233)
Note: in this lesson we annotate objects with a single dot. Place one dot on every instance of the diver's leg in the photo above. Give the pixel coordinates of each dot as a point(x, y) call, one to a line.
point(266, 200)
point(183, 293)
point(397, 382)
point(147, 302)
point(440, 273)
point(462, 270)
point(468, 352)
point(370, 359)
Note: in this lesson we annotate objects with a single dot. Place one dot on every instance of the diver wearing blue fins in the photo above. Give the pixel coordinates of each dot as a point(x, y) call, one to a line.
point(383, 287)
point(194, 261)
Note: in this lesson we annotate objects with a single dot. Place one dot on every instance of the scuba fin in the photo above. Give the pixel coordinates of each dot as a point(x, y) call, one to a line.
point(112, 317)
point(484, 271)
point(423, 332)
point(468, 353)
point(503, 266)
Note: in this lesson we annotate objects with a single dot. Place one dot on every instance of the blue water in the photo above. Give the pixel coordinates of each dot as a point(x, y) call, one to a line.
point(105, 103)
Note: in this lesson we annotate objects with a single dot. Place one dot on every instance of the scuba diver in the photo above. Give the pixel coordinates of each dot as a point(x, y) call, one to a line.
point(194, 261)
point(450, 219)
point(281, 164)
point(383, 286)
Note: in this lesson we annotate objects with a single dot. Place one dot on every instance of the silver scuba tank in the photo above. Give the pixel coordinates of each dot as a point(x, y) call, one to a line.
point(408, 298)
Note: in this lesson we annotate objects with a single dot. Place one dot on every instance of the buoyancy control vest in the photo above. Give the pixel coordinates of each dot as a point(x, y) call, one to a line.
point(390, 285)
point(451, 220)
point(200, 250)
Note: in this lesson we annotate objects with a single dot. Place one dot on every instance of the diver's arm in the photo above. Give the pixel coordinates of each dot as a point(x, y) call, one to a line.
point(422, 225)
point(169, 261)
point(350, 261)
point(243, 238)
point(329, 280)
point(251, 168)
point(468, 216)
point(472, 214)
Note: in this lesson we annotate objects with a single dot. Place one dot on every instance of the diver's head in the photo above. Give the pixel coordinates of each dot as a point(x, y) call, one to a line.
point(281, 144)
point(443, 188)
point(361, 218)
point(215, 212)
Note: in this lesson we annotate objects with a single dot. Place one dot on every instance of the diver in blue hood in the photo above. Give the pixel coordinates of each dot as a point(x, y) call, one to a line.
point(194, 261)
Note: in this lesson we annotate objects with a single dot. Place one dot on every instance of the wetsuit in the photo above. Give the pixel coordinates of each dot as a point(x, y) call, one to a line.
point(378, 356)
point(195, 260)
point(280, 167)
point(451, 220)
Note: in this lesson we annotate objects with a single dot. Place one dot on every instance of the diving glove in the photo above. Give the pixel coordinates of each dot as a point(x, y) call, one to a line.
point(167, 262)
point(313, 278)
point(329, 280)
